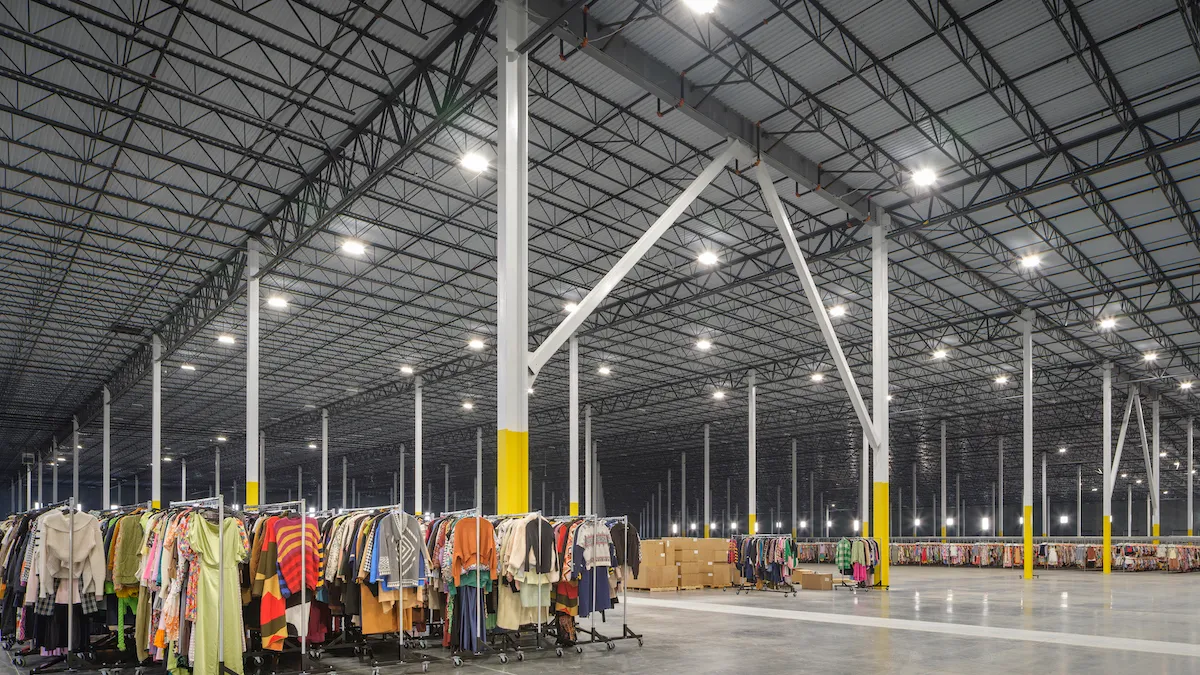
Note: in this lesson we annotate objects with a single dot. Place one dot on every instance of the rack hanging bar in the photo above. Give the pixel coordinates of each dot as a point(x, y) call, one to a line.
point(199, 502)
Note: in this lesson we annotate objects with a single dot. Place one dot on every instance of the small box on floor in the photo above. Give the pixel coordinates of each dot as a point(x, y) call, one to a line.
point(817, 582)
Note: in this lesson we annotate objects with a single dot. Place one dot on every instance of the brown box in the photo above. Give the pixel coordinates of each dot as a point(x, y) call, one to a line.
point(679, 543)
point(662, 577)
point(721, 575)
point(817, 582)
point(642, 580)
point(798, 575)
point(651, 548)
point(689, 567)
point(717, 555)
point(686, 580)
point(687, 555)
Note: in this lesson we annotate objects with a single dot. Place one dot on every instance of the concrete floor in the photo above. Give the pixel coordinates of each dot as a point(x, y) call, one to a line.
point(933, 620)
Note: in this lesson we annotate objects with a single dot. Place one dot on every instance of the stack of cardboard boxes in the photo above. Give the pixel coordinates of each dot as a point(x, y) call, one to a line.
point(685, 563)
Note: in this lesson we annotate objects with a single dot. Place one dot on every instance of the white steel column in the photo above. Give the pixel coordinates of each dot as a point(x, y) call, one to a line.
point(75, 456)
point(794, 514)
point(400, 496)
point(252, 428)
point(54, 473)
point(300, 482)
point(183, 479)
point(106, 450)
point(864, 484)
point(446, 488)
point(479, 469)
point(345, 503)
point(879, 391)
point(1027, 441)
point(41, 462)
point(960, 524)
point(1000, 508)
point(417, 446)
point(708, 487)
point(573, 427)
point(589, 502)
point(943, 502)
point(156, 422)
point(1156, 460)
point(683, 519)
point(1045, 501)
point(1079, 500)
point(1191, 469)
point(916, 514)
point(262, 467)
point(1106, 467)
point(1128, 511)
point(670, 507)
point(512, 260)
point(752, 441)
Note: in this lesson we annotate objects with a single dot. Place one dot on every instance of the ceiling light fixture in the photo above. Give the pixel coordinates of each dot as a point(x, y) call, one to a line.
point(837, 310)
point(277, 302)
point(167, 459)
point(407, 370)
point(939, 354)
point(570, 307)
point(467, 405)
point(1185, 385)
point(530, 390)
point(817, 377)
point(1002, 379)
point(719, 395)
point(604, 370)
point(1124, 475)
point(225, 339)
point(221, 439)
point(1108, 323)
point(1138, 481)
point(703, 345)
point(1150, 356)
point(1061, 450)
point(187, 366)
point(924, 177)
point(707, 258)
point(1162, 454)
point(474, 162)
point(353, 247)
point(1031, 261)
point(889, 397)
point(701, 6)
point(1093, 489)
point(475, 344)
point(312, 446)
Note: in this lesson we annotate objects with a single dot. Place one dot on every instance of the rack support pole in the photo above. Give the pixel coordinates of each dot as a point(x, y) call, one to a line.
point(417, 463)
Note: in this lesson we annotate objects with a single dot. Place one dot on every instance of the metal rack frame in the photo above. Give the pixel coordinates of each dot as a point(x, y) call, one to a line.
point(785, 587)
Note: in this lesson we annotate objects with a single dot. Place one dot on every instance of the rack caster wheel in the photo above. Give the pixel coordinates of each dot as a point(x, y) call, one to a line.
point(424, 644)
point(457, 661)
point(558, 652)
point(375, 670)
point(424, 666)
point(520, 656)
point(18, 660)
point(611, 645)
point(504, 658)
point(578, 649)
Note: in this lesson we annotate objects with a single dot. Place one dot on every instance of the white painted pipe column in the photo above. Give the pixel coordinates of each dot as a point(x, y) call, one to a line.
point(1191, 469)
point(916, 513)
point(345, 502)
point(943, 502)
point(54, 471)
point(1106, 467)
point(156, 422)
point(41, 462)
point(1156, 462)
point(670, 509)
point(795, 515)
point(1027, 441)
point(573, 427)
point(960, 524)
point(683, 518)
point(1000, 508)
point(252, 428)
point(864, 482)
point(1045, 501)
point(589, 504)
point(752, 442)
point(300, 482)
point(400, 496)
point(708, 487)
point(262, 467)
point(325, 460)
point(106, 450)
point(1128, 511)
point(446, 489)
point(75, 456)
point(1079, 500)
point(879, 390)
point(417, 503)
point(183, 479)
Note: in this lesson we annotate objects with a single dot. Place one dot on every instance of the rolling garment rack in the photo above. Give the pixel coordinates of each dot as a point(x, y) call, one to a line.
point(363, 646)
point(482, 633)
point(258, 654)
point(626, 568)
point(784, 586)
point(10, 643)
point(206, 502)
point(858, 585)
point(511, 639)
point(111, 641)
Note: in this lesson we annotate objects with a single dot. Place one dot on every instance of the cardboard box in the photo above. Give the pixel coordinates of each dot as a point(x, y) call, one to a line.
point(689, 567)
point(717, 555)
point(642, 580)
point(686, 580)
point(817, 582)
point(651, 548)
point(679, 543)
point(721, 575)
point(798, 575)
point(654, 577)
point(687, 555)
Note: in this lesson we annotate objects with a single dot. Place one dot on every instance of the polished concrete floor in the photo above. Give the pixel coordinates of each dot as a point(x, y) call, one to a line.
point(933, 620)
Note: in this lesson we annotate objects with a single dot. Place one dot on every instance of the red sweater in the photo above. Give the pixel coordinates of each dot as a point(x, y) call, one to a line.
point(288, 536)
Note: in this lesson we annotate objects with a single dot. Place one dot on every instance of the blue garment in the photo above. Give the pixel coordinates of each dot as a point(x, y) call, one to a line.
point(595, 579)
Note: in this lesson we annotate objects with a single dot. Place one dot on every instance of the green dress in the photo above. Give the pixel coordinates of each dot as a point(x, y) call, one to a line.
point(203, 538)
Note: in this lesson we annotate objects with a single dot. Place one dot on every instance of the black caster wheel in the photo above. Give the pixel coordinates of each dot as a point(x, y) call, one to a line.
point(520, 656)
point(611, 645)
point(558, 652)
point(357, 651)
point(504, 658)
point(457, 661)
point(375, 665)
point(18, 660)
point(578, 649)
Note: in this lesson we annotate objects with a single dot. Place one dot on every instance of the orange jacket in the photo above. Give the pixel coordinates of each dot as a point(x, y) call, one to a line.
point(471, 550)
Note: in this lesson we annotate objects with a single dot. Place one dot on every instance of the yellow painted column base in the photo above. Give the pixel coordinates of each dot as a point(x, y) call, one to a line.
point(706, 533)
point(943, 534)
point(1028, 542)
point(1190, 533)
point(882, 533)
point(252, 493)
point(751, 522)
point(1154, 530)
point(866, 529)
point(155, 504)
point(1108, 544)
point(512, 471)
point(999, 533)
point(574, 509)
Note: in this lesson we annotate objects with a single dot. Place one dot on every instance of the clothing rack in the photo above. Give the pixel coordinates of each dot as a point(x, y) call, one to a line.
point(858, 585)
point(206, 502)
point(785, 586)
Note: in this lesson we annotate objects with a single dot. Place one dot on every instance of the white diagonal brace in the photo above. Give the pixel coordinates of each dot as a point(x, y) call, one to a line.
point(1116, 459)
point(771, 197)
point(635, 253)
point(1141, 417)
